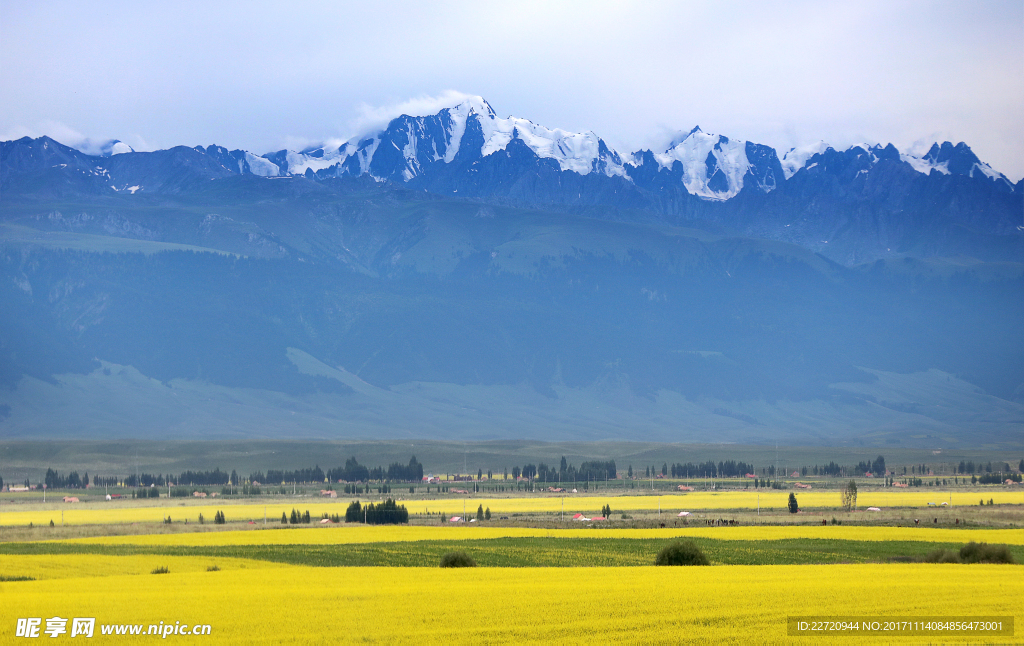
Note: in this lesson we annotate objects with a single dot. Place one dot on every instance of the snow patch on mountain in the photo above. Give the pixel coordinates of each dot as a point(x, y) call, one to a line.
point(119, 148)
point(925, 166)
point(796, 158)
point(261, 166)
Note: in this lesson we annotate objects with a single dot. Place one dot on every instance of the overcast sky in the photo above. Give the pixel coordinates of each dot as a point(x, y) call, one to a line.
point(263, 76)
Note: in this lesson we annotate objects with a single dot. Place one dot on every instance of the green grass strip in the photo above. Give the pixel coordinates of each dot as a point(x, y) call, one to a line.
point(527, 552)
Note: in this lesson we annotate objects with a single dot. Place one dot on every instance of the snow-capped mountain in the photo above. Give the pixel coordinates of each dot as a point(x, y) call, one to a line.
point(469, 130)
point(714, 167)
point(703, 165)
point(877, 196)
point(945, 159)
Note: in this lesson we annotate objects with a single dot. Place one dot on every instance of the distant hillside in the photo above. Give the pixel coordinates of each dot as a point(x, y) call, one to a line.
point(343, 307)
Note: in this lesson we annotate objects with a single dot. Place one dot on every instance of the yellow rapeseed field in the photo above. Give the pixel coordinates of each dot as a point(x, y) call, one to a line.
point(734, 604)
point(769, 500)
point(67, 566)
point(342, 534)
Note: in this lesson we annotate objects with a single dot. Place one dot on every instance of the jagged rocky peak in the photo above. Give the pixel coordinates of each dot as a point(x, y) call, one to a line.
point(469, 130)
point(717, 168)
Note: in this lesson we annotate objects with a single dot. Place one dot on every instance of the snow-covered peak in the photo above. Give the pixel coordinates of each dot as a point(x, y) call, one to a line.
point(796, 158)
point(415, 141)
point(681, 136)
point(713, 165)
point(575, 151)
point(118, 148)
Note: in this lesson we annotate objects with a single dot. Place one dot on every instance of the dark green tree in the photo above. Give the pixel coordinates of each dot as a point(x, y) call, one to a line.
point(480, 512)
point(457, 559)
point(354, 513)
point(681, 553)
point(793, 507)
point(487, 513)
point(284, 518)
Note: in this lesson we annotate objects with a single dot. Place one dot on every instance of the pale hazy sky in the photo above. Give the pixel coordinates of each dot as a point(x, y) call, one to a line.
point(263, 76)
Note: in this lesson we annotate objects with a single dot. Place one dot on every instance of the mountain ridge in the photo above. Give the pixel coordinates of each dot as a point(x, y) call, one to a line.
point(854, 205)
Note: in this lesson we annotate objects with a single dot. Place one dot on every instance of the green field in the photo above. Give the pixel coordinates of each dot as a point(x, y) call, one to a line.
point(524, 552)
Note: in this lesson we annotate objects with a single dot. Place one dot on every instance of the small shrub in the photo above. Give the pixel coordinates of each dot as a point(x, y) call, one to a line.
point(161, 570)
point(985, 553)
point(213, 568)
point(941, 556)
point(681, 553)
point(457, 559)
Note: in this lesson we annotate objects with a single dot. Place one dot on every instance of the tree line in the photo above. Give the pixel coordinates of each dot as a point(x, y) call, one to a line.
point(352, 471)
point(386, 513)
point(724, 469)
point(590, 470)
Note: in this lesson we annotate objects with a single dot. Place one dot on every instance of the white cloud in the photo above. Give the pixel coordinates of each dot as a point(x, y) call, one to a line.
point(372, 118)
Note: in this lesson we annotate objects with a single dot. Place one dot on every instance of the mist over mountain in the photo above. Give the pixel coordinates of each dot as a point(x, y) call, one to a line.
point(466, 276)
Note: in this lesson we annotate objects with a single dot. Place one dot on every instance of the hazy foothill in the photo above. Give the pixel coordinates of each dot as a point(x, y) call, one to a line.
point(509, 285)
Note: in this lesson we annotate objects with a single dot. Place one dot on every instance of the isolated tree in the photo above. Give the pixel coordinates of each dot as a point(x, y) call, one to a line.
point(681, 553)
point(457, 559)
point(630, 472)
point(487, 513)
point(849, 496)
point(480, 512)
point(793, 507)
point(479, 474)
point(284, 518)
